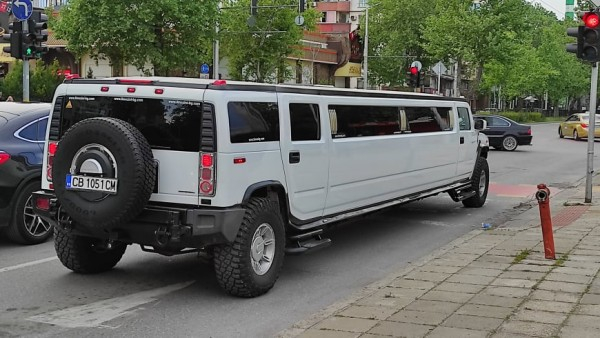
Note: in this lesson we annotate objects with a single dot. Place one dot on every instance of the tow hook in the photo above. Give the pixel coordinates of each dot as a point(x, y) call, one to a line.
point(162, 235)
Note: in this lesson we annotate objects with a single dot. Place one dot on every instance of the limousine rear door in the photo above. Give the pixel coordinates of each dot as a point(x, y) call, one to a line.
point(304, 155)
point(467, 150)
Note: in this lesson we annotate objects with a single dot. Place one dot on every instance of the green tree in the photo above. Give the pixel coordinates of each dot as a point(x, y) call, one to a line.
point(258, 52)
point(395, 35)
point(168, 34)
point(42, 83)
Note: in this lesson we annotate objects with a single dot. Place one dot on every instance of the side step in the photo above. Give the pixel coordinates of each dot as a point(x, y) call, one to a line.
point(461, 195)
point(307, 242)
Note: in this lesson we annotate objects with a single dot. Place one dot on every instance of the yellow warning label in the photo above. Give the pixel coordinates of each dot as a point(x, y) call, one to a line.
point(69, 105)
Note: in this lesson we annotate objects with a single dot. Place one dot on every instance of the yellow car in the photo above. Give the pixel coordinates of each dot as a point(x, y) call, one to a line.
point(576, 126)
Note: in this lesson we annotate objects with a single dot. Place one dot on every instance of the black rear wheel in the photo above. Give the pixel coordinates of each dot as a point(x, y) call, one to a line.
point(85, 254)
point(250, 266)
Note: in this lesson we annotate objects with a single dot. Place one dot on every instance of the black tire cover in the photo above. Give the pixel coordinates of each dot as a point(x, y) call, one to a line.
point(134, 167)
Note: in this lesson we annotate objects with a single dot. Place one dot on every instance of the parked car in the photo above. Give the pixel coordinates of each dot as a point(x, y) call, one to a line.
point(505, 133)
point(576, 126)
point(22, 135)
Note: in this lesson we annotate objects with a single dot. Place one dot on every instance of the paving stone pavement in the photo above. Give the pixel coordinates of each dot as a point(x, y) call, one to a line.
point(488, 283)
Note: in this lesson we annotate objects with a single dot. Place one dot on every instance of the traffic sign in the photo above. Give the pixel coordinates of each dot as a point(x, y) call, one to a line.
point(416, 64)
point(204, 69)
point(22, 9)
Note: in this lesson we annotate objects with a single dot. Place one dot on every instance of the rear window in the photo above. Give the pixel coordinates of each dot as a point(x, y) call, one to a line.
point(166, 123)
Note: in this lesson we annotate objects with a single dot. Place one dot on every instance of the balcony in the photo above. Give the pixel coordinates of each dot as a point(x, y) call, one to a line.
point(332, 27)
point(333, 6)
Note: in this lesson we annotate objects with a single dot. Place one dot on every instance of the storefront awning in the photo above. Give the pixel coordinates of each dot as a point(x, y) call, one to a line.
point(4, 57)
point(349, 70)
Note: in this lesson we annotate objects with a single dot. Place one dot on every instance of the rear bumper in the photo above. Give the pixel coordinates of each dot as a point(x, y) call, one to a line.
point(524, 140)
point(157, 226)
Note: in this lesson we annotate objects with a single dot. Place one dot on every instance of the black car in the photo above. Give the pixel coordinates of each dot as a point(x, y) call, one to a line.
point(505, 133)
point(22, 135)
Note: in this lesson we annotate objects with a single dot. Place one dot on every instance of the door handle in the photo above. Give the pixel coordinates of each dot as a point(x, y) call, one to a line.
point(294, 157)
point(462, 140)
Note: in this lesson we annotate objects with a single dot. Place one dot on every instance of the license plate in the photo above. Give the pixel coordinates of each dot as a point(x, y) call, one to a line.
point(108, 185)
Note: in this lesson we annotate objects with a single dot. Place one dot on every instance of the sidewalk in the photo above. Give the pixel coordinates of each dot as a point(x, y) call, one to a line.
point(488, 283)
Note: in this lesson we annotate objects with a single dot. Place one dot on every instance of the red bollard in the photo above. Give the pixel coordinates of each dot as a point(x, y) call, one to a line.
point(543, 195)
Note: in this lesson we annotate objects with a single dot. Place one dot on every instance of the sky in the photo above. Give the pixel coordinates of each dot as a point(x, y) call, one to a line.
point(556, 6)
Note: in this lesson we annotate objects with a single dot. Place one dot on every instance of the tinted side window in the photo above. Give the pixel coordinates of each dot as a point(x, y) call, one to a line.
point(30, 132)
point(464, 119)
point(253, 121)
point(357, 121)
point(429, 119)
point(41, 130)
point(305, 122)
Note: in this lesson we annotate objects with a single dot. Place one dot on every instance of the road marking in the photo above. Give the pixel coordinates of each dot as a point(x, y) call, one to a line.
point(94, 314)
point(24, 265)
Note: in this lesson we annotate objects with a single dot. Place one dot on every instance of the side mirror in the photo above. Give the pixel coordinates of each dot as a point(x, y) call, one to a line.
point(480, 124)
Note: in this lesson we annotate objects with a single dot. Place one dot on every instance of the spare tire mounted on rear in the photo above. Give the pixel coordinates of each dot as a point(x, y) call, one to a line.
point(104, 148)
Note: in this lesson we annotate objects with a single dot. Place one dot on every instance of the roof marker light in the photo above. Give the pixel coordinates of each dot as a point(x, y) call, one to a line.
point(104, 89)
point(159, 91)
point(131, 90)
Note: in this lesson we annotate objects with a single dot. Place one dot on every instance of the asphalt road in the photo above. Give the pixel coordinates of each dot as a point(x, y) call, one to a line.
point(148, 295)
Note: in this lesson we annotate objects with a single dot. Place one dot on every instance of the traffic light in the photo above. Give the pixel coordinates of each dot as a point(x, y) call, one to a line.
point(414, 77)
point(587, 47)
point(33, 41)
point(15, 37)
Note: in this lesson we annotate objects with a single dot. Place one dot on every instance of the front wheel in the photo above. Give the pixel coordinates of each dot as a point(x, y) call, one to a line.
point(480, 182)
point(85, 254)
point(250, 266)
point(509, 143)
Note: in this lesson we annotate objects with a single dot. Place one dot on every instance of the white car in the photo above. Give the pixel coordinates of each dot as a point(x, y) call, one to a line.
point(245, 172)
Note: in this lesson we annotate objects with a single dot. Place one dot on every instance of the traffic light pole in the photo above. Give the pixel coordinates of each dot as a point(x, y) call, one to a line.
point(25, 68)
point(591, 134)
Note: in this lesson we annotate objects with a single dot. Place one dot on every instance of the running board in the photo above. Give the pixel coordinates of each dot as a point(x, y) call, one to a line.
point(462, 195)
point(307, 242)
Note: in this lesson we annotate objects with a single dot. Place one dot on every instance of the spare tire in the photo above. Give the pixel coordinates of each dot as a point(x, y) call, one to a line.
point(104, 148)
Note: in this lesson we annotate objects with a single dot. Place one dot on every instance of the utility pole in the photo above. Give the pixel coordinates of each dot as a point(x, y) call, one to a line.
point(25, 67)
point(591, 134)
point(366, 49)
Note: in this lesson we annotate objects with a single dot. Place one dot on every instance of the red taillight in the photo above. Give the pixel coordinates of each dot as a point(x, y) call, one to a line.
point(584, 125)
point(529, 131)
point(4, 157)
point(134, 81)
point(219, 83)
point(52, 147)
point(207, 160)
point(42, 203)
point(206, 180)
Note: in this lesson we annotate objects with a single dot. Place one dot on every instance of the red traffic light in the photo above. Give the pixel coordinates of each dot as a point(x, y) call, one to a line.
point(414, 70)
point(591, 19)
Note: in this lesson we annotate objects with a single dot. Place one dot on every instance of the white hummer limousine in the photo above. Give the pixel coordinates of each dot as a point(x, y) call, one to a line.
point(242, 172)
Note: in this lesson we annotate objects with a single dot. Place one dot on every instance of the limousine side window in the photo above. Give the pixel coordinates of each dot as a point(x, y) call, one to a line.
point(305, 122)
point(428, 119)
point(253, 122)
point(358, 121)
point(464, 120)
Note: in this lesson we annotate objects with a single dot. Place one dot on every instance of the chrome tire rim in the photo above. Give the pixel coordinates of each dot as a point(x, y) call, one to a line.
point(33, 223)
point(262, 250)
point(482, 180)
point(509, 143)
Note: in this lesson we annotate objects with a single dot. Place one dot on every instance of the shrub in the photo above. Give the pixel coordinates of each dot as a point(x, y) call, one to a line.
point(42, 82)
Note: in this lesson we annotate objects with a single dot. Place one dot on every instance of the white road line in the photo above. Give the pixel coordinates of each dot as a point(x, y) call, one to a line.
point(94, 314)
point(24, 265)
